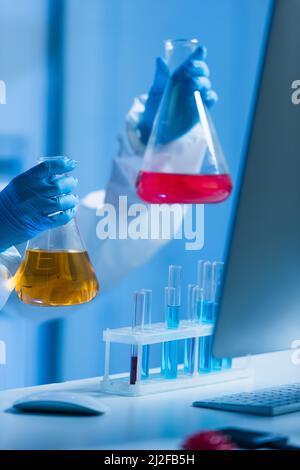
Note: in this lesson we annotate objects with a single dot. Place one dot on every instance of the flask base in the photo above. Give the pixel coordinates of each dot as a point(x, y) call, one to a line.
point(172, 188)
point(56, 279)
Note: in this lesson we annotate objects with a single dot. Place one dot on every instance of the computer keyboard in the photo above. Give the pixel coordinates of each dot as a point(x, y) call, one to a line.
point(271, 401)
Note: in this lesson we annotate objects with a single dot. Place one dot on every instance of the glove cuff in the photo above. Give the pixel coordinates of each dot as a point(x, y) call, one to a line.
point(133, 120)
point(12, 228)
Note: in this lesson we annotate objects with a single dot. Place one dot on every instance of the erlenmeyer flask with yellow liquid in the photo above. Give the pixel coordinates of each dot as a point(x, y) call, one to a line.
point(56, 270)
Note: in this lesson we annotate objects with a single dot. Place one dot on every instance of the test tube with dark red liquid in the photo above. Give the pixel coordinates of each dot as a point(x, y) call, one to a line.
point(137, 323)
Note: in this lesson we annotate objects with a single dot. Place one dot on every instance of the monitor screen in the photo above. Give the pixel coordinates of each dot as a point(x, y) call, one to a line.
point(260, 301)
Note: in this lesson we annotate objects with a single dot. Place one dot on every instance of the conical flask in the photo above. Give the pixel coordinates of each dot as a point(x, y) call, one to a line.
point(183, 160)
point(56, 270)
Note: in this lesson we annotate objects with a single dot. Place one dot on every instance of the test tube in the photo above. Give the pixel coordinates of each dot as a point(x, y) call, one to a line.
point(217, 268)
point(205, 357)
point(189, 344)
point(200, 272)
point(197, 303)
point(170, 348)
point(147, 307)
point(217, 276)
point(226, 363)
point(173, 299)
point(137, 322)
point(205, 277)
point(208, 291)
point(172, 309)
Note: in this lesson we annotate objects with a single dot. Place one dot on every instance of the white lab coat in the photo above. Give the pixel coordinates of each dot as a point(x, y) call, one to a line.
point(113, 259)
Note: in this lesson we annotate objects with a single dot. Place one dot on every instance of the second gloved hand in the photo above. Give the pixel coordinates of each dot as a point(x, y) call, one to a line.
point(37, 200)
point(192, 75)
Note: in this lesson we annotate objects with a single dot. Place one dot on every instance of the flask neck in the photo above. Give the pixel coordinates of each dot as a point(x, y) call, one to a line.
point(177, 51)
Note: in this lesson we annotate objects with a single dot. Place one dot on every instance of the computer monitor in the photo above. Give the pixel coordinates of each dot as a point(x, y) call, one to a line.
point(260, 301)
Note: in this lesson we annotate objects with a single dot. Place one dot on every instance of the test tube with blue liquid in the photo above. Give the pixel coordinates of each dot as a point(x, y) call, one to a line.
point(217, 278)
point(170, 348)
point(172, 312)
point(218, 269)
point(147, 309)
point(208, 292)
point(137, 323)
point(189, 344)
point(205, 280)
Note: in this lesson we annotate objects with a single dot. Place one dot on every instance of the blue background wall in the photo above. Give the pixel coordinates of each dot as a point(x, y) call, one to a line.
point(24, 68)
point(109, 50)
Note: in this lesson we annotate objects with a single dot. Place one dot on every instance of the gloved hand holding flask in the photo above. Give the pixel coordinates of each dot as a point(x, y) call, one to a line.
point(183, 160)
point(37, 200)
point(194, 73)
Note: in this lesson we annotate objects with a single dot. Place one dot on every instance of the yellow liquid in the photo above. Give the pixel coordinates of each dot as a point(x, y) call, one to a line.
point(56, 278)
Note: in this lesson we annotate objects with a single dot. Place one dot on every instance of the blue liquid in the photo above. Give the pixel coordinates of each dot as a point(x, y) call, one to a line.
point(173, 316)
point(208, 312)
point(216, 364)
point(208, 363)
point(170, 349)
point(205, 359)
point(145, 362)
point(226, 363)
point(189, 355)
point(170, 360)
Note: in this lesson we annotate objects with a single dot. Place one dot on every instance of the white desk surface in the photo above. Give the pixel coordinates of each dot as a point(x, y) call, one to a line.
point(158, 421)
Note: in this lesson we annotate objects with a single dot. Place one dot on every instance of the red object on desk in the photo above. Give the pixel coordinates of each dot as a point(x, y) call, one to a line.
point(208, 440)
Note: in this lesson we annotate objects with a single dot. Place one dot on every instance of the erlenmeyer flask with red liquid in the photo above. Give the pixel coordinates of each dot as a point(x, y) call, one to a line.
point(183, 160)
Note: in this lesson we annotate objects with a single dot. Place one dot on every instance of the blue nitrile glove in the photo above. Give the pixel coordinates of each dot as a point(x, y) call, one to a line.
point(29, 199)
point(190, 76)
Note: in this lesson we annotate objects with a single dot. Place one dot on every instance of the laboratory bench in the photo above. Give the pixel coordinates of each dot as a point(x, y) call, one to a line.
point(158, 421)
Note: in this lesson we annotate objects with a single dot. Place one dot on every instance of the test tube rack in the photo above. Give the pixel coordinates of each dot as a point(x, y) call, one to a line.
point(156, 334)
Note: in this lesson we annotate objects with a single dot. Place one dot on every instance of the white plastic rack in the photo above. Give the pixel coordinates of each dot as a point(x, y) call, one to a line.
point(156, 334)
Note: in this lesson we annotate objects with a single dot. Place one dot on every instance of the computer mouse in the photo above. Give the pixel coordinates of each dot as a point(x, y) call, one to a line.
point(62, 402)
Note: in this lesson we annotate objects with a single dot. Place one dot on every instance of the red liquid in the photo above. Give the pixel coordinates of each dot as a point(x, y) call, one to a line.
point(171, 188)
point(133, 370)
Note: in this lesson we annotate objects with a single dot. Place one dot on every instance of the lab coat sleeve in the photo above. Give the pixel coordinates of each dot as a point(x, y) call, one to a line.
point(113, 259)
point(9, 262)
